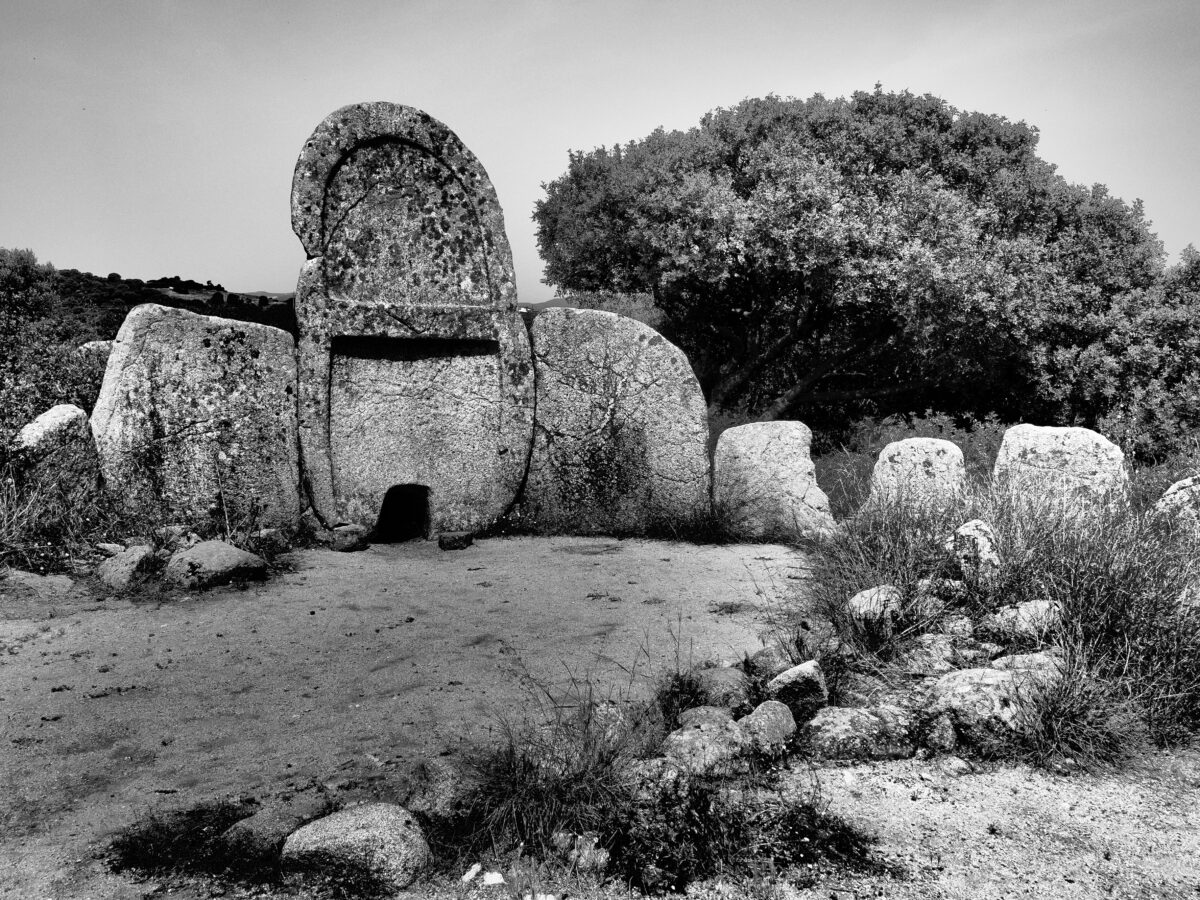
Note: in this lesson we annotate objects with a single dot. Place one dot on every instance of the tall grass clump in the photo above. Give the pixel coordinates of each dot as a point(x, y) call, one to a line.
point(1128, 639)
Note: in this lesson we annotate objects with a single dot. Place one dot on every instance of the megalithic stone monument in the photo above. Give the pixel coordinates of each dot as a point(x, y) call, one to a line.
point(415, 375)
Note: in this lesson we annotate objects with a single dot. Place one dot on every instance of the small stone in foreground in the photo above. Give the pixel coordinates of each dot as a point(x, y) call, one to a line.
point(379, 841)
point(455, 540)
point(212, 563)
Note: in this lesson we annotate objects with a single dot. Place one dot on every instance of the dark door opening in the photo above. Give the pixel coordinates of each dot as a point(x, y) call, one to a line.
point(404, 514)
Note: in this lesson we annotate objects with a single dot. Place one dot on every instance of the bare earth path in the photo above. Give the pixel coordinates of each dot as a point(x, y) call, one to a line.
point(352, 666)
point(343, 671)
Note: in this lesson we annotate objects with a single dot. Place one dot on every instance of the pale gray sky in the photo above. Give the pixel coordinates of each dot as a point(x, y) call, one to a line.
point(158, 137)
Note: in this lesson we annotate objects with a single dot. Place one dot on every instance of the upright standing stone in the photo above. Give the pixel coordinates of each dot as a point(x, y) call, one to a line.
point(1048, 466)
point(416, 381)
point(919, 473)
point(765, 484)
point(622, 427)
point(197, 418)
point(58, 445)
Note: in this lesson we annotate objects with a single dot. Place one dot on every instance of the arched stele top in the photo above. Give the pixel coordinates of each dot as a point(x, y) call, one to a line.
point(385, 194)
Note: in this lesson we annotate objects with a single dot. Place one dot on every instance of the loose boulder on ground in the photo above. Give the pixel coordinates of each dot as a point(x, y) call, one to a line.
point(876, 608)
point(119, 572)
point(724, 686)
point(258, 838)
point(801, 688)
point(1033, 619)
point(707, 749)
point(212, 563)
point(1057, 469)
point(765, 484)
point(973, 548)
point(380, 843)
point(621, 435)
point(196, 419)
point(986, 699)
point(919, 473)
point(770, 728)
point(851, 733)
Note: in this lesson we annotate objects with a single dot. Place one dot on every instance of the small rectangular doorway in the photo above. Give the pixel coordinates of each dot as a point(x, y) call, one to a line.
point(404, 515)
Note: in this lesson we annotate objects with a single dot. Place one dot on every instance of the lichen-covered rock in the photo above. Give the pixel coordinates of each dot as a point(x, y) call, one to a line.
point(259, 837)
point(770, 728)
point(801, 688)
point(986, 699)
point(197, 419)
point(1032, 619)
point(381, 840)
point(920, 473)
point(1181, 503)
point(770, 661)
point(707, 749)
point(212, 563)
point(724, 686)
point(57, 447)
point(973, 548)
point(1059, 468)
point(444, 787)
point(1045, 664)
point(850, 733)
point(705, 715)
point(765, 484)
point(876, 608)
point(621, 438)
point(415, 367)
point(119, 572)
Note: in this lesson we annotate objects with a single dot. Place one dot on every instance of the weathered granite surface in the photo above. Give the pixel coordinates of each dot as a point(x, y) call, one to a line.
point(765, 483)
point(924, 473)
point(1045, 465)
point(621, 427)
point(197, 418)
point(414, 364)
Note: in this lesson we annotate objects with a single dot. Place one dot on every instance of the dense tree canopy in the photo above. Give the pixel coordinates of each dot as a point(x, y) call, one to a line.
point(885, 252)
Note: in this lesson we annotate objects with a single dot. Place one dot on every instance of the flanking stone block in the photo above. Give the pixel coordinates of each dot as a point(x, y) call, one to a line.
point(197, 418)
point(920, 473)
point(57, 448)
point(765, 484)
point(1049, 467)
point(620, 442)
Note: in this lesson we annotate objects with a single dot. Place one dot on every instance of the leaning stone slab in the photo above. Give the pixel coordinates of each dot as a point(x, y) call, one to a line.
point(1060, 468)
point(621, 428)
point(212, 563)
point(378, 842)
point(196, 419)
point(765, 484)
point(918, 473)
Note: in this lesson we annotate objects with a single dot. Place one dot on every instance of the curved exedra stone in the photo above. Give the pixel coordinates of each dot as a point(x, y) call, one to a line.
point(415, 368)
point(620, 443)
point(196, 418)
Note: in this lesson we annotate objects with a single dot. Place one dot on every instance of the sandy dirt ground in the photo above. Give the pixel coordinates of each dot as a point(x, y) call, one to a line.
point(344, 671)
point(349, 668)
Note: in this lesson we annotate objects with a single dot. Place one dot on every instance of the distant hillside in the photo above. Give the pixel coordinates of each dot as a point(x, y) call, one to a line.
point(92, 307)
